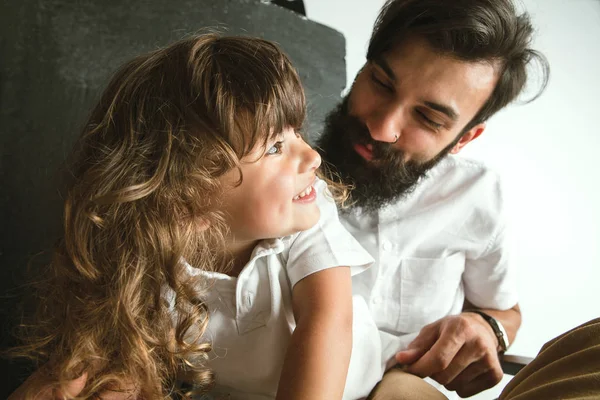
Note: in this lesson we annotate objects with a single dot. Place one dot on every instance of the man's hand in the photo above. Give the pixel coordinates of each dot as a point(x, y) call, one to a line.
point(458, 351)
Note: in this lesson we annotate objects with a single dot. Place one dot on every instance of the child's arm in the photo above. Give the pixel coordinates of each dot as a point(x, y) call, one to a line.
point(317, 359)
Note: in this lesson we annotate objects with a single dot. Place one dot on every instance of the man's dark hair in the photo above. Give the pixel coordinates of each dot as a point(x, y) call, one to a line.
point(470, 30)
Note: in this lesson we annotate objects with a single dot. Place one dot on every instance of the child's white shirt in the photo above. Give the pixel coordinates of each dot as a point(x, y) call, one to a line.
point(251, 318)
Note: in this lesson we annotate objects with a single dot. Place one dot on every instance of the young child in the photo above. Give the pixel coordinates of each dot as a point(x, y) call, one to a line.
point(196, 217)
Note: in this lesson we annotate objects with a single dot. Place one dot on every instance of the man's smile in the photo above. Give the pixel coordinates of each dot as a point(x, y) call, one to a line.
point(364, 150)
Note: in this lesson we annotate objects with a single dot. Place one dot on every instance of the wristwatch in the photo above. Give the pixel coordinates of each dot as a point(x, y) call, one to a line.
point(498, 329)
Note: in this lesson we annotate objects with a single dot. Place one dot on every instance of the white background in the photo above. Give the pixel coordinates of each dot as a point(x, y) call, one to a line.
point(546, 153)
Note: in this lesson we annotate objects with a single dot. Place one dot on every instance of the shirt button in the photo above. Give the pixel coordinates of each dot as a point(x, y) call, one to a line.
point(249, 299)
point(387, 246)
point(376, 300)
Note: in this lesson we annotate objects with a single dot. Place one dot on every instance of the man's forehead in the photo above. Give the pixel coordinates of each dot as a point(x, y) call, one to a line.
point(418, 52)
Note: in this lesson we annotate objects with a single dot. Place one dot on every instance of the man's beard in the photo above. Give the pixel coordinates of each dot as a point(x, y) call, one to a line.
point(385, 179)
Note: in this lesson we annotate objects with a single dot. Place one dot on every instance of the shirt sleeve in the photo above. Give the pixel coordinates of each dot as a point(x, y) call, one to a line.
point(489, 277)
point(326, 245)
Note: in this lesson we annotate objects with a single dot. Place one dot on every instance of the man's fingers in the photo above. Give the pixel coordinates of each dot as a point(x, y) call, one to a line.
point(419, 346)
point(480, 383)
point(463, 360)
point(437, 359)
point(409, 356)
point(468, 375)
point(475, 371)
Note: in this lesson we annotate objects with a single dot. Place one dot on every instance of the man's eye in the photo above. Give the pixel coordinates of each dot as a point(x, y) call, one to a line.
point(380, 83)
point(275, 149)
point(429, 121)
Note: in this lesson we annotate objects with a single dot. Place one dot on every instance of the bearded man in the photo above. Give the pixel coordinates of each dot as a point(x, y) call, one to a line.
point(442, 291)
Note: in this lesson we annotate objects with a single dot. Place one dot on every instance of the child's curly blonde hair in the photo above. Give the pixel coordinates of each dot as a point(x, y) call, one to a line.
point(144, 195)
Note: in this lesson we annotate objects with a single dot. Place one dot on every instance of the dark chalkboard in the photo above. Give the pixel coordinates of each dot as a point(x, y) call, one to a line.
point(55, 58)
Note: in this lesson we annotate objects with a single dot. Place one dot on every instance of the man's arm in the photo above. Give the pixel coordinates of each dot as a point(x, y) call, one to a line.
point(318, 356)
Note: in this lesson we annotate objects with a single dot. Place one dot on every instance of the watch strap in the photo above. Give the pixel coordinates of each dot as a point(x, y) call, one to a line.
point(497, 327)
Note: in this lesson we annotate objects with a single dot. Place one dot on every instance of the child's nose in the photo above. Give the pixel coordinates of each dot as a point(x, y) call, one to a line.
point(312, 159)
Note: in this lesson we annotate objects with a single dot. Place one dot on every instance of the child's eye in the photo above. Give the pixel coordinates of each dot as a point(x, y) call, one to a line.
point(275, 149)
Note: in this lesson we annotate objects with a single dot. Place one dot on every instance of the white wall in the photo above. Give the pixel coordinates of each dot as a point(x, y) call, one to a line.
point(545, 151)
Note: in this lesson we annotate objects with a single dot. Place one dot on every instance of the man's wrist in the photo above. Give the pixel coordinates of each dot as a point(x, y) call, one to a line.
point(497, 328)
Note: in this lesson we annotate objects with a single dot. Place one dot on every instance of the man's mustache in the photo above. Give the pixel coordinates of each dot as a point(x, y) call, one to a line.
point(360, 134)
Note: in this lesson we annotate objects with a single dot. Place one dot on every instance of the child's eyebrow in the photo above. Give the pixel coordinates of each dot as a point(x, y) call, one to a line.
point(276, 136)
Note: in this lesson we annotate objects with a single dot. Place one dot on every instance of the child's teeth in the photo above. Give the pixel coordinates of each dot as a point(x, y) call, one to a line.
point(304, 193)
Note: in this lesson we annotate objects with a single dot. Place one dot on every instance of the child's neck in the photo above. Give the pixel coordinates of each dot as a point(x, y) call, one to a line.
point(239, 253)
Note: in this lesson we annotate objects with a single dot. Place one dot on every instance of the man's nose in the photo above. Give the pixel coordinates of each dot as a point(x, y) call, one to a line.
point(385, 125)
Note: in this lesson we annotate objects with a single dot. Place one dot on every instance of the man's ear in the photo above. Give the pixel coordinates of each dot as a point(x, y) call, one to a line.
point(470, 135)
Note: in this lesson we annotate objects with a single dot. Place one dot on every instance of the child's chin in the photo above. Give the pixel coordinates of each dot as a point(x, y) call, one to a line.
point(309, 219)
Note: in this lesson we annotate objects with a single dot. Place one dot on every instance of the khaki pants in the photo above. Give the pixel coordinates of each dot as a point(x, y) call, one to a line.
point(399, 385)
point(567, 368)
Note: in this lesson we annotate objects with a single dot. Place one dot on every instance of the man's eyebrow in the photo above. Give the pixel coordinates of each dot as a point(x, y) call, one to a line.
point(385, 67)
point(449, 111)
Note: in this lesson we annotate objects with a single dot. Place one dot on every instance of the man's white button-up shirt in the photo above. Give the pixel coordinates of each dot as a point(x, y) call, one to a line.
point(441, 243)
